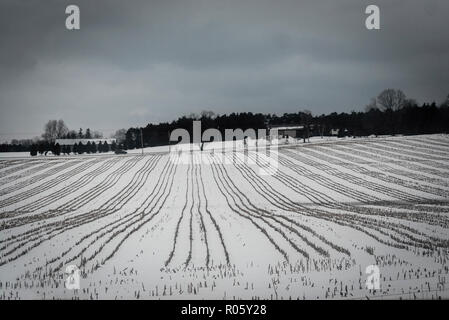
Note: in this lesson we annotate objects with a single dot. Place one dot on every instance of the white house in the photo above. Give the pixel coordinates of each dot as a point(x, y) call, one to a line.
point(334, 132)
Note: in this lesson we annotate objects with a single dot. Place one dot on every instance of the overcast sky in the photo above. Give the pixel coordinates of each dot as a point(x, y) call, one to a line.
point(135, 62)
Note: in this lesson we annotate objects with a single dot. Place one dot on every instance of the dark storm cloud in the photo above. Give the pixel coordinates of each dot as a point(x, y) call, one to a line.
point(135, 62)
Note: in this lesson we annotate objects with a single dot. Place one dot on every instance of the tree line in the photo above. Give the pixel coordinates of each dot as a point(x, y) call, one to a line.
point(57, 129)
point(78, 148)
point(390, 113)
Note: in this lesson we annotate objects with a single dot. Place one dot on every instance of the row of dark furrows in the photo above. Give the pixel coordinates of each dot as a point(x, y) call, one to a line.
point(81, 200)
point(322, 180)
point(381, 188)
point(196, 213)
point(440, 142)
point(413, 171)
point(419, 148)
point(32, 171)
point(14, 166)
point(55, 168)
point(6, 164)
point(301, 238)
point(275, 224)
point(386, 165)
point(69, 189)
point(429, 155)
point(413, 155)
point(122, 225)
point(47, 185)
point(444, 139)
point(357, 217)
point(429, 218)
point(36, 236)
point(439, 184)
point(412, 163)
point(284, 203)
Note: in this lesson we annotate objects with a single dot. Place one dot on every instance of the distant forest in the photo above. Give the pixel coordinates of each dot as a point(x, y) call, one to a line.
point(390, 113)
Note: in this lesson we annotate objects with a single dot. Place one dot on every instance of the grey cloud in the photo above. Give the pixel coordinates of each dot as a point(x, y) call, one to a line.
point(135, 62)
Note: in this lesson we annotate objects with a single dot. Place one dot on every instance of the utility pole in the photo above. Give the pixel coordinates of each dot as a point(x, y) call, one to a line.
point(141, 139)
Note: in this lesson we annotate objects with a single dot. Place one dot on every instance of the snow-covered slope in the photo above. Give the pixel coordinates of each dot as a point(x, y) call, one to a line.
point(210, 225)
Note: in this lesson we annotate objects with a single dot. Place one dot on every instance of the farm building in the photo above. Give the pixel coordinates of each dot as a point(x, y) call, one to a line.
point(71, 142)
point(290, 131)
point(334, 132)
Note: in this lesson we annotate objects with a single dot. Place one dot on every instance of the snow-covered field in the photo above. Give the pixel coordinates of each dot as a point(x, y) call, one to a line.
point(186, 225)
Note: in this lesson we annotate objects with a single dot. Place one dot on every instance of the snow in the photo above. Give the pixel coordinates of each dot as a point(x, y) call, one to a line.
point(192, 224)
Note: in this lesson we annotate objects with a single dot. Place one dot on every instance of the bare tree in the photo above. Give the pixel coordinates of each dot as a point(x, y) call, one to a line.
point(97, 135)
point(193, 116)
point(54, 129)
point(61, 129)
point(120, 135)
point(72, 134)
point(207, 114)
point(391, 99)
point(372, 105)
point(49, 130)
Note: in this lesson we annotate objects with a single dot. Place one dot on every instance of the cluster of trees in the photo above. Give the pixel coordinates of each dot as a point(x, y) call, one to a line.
point(390, 113)
point(57, 129)
point(78, 148)
point(158, 134)
point(72, 134)
point(45, 148)
point(54, 129)
point(92, 147)
point(16, 145)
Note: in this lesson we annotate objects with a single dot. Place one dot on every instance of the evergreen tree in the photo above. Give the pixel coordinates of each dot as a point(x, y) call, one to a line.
point(100, 147)
point(88, 148)
point(47, 148)
point(75, 148)
point(80, 134)
point(93, 147)
point(80, 148)
point(33, 151)
point(72, 134)
point(57, 149)
point(88, 134)
point(105, 147)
